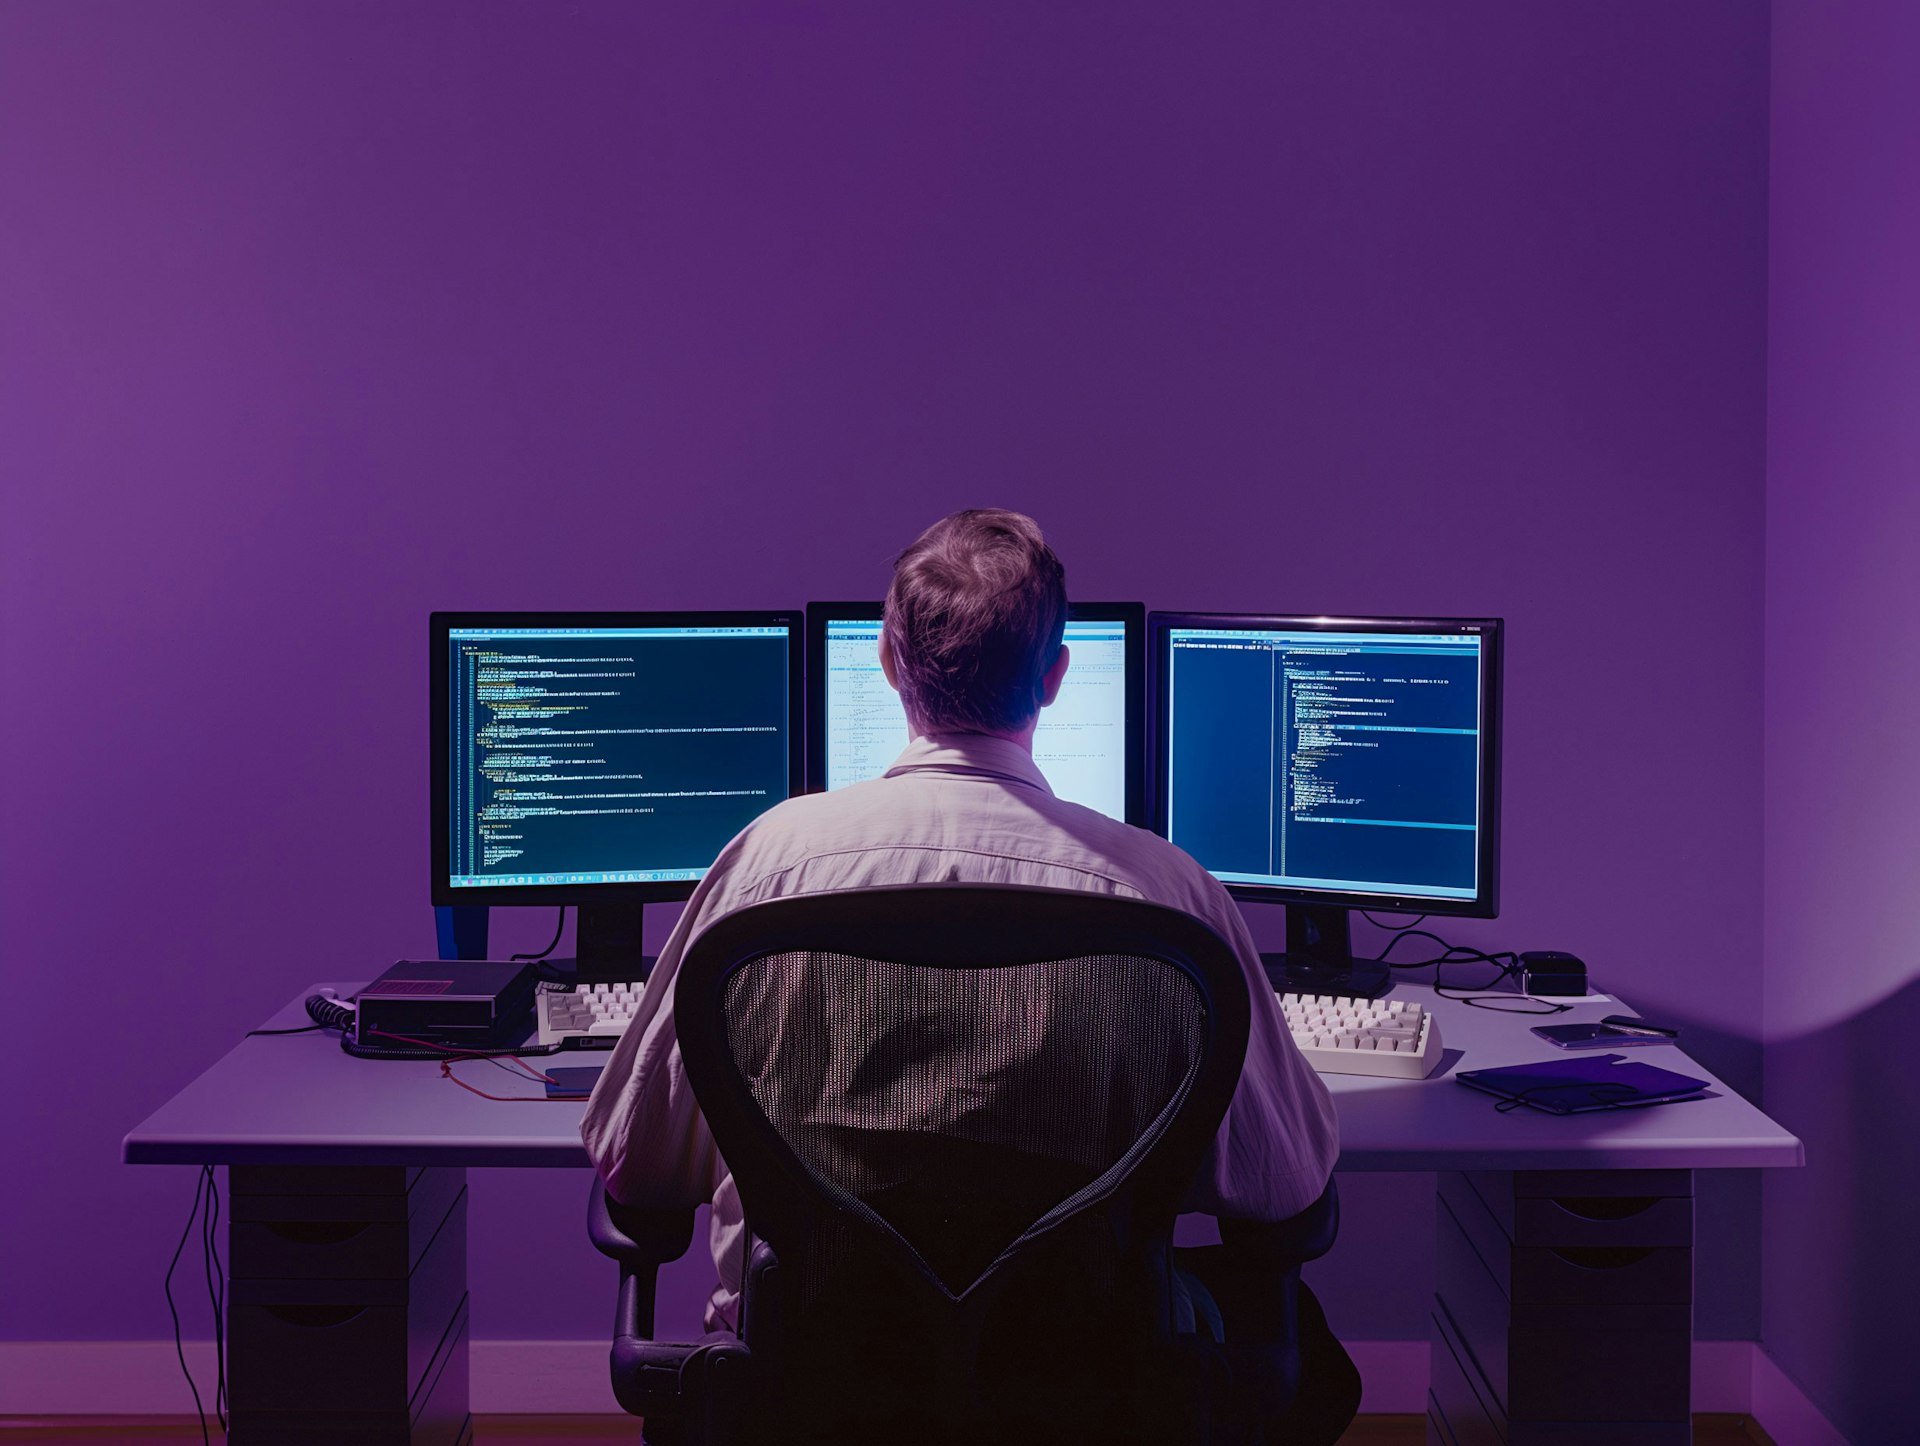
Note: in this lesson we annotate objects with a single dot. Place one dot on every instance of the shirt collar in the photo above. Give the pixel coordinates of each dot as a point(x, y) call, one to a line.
point(978, 754)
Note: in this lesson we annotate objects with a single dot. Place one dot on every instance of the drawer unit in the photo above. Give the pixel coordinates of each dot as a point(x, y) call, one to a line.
point(1563, 1309)
point(347, 1309)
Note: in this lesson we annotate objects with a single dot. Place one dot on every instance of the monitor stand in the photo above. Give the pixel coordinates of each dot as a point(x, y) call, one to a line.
point(607, 944)
point(1319, 957)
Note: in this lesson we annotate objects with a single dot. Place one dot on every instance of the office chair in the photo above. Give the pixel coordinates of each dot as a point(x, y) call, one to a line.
point(961, 1119)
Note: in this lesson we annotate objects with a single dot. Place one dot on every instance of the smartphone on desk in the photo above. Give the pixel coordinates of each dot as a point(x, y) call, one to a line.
point(1616, 1031)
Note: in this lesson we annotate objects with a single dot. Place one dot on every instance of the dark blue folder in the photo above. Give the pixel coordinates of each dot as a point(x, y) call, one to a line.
point(1585, 1082)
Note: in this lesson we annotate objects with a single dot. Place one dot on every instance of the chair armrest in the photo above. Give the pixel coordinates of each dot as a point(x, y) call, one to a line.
point(1254, 1273)
point(635, 1236)
point(1287, 1244)
point(641, 1241)
point(664, 1382)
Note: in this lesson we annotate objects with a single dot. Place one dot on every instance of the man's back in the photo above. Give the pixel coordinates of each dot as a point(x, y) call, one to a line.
point(964, 808)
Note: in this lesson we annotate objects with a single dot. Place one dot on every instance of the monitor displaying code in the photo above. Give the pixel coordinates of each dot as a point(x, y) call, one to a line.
point(1080, 742)
point(1347, 762)
point(610, 755)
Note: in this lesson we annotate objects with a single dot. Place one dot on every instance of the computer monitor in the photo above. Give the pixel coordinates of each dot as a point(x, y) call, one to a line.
point(604, 759)
point(1090, 743)
point(1333, 764)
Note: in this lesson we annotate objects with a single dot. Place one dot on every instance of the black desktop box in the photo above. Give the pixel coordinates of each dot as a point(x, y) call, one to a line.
point(471, 1003)
point(1548, 972)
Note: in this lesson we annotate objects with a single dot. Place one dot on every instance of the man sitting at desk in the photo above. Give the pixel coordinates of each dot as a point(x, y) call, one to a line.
point(972, 641)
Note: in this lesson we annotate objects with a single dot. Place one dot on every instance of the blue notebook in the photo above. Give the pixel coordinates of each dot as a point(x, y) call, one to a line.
point(1585, 1082)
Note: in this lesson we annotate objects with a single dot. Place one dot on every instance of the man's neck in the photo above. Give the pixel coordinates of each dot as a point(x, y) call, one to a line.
point(1022, 739)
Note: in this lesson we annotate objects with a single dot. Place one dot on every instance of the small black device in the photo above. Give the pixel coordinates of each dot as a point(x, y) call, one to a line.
point(1546, 973)
point(465, 1003)
point(1614, 1032)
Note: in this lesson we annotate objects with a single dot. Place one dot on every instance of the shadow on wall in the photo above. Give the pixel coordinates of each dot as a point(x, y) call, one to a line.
point(1842, 1286)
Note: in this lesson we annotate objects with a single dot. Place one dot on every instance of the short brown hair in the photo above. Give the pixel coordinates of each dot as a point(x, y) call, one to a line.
point(975, 617)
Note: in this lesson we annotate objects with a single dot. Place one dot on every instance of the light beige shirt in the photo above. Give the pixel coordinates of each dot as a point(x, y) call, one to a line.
point(966, 808)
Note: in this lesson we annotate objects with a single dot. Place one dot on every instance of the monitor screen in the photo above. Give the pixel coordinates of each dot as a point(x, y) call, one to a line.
point(605, 751)
point(1349, 761)
point(1089, 742)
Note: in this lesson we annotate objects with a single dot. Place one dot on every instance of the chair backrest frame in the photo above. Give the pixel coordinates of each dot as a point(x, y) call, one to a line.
point(955, 926)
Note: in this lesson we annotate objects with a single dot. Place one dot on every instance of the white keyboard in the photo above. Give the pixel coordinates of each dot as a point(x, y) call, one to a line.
point(1392, 1037)
point(585, 1016)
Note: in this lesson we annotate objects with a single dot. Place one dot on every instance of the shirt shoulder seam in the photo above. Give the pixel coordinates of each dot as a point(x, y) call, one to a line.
point(764, 879)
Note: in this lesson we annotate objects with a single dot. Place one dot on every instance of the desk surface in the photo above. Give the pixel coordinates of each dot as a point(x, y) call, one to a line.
point(300, 1100)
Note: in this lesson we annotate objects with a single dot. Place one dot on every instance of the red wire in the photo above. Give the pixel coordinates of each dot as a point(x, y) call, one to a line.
point(459, 1053)
point(446, 1072)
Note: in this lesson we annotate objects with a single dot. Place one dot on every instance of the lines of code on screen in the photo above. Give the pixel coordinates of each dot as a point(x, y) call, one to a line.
point(610, 755)
point(1346, 762)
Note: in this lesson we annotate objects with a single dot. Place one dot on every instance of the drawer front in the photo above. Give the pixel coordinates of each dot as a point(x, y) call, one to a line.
point(372, 1180)
point(1614, 1376)
point(1594, 1207)
point(1601, 1276)
point(339, 1205)
point(290, 1247)
point(1603, 1220)
point(438, 1417)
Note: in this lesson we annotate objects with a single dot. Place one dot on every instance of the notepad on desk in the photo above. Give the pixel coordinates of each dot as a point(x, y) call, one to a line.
point(1589, 1082)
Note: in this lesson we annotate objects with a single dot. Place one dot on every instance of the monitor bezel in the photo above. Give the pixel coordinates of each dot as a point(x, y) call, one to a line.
point(1486, 901)
point(1132, 615)
point(439, 713)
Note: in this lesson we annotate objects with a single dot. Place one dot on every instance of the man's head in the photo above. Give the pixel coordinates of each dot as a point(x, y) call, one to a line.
point(974, 620)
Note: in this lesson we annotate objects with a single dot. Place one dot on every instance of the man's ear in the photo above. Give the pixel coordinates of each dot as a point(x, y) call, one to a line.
point(886, 662)
point(1054, 677)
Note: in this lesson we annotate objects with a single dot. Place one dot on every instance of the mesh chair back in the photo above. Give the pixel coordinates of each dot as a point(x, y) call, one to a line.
point(959, 1116)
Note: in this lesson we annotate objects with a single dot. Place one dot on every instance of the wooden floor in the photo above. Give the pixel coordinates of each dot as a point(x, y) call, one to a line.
point(620, 1431)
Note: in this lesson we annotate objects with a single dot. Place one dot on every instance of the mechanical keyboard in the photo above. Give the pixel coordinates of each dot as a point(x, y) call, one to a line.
point(1338, 1035)
point(585, 1016)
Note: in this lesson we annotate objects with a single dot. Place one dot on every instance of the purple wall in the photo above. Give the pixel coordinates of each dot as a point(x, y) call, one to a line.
point(1842, 774)
point(319, 316)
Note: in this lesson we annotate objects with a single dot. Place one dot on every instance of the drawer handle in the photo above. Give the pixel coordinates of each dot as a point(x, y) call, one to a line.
point(315, 1316)
point(1602, 1257)
point(1607, 1207)
point(316, 1232)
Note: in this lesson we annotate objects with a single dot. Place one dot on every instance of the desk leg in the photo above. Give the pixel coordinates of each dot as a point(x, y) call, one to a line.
point(1563, 1309)
point(347, 1306)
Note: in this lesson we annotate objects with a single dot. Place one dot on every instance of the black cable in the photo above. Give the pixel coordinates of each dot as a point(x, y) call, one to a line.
point(558, 930)
point(1391, 928)
point(1505, 962)
point(303, 1029)
point(216, 1292)
point(179, 1350)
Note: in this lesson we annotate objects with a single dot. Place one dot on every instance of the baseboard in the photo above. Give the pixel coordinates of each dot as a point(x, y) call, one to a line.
point(565, 1378)
point(1783, 1408)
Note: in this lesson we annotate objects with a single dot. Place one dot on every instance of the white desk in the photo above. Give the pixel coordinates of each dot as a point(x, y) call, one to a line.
point(312, 1135)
